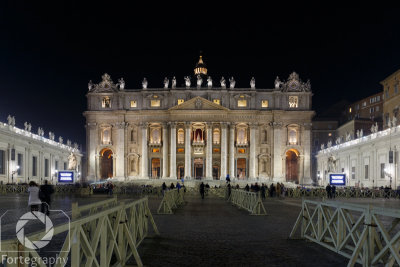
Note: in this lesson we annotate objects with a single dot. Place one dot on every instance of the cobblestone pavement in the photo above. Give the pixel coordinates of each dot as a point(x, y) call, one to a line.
point(211, 232)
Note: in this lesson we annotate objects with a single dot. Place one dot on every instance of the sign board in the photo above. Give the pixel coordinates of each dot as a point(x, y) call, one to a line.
point(337, 179)
point(65, 176)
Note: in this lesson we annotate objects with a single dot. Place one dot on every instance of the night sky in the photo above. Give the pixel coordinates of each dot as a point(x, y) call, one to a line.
point(49, 52)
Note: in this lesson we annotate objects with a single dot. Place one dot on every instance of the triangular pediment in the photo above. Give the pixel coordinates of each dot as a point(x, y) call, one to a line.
point(198, 103)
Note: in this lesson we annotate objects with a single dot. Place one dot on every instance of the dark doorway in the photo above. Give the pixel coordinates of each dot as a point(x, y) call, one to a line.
point(215, 172)
point(106, 163)
point(198, 168)
point(292, 166)
point(241, 168)
point(155, 168)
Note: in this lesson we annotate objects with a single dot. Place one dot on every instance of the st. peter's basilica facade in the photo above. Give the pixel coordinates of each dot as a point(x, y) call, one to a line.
point(200, 130)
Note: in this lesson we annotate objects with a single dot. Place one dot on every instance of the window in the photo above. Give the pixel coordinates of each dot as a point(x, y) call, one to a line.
point(396, 88)
point(292, 136)
point(382, 170)
point(181, 150)
point(364, 104)
point(264, 103)
point(56, 165)
point(242, 151)
point(156, 150)
point(2, 162)
point(155, 137)
point(349, 110)
point(34, 166)
point(106, 136)
point(377, 108)
point(65, 165)
point(133, 104)
point(371, 110)
point(216, 137)
point(180, 101)
point(387, 94)
point(217, 101)
point(241, 136)
point(353, 172)
point(293, 101)
point(216, 150)
point(378, 98)
point(181, 136)
point(366, 168)
point(357, 107)
point(20, 163)
point(242, 103)
point(155, 102)
point(46, 168)
point(106, 103)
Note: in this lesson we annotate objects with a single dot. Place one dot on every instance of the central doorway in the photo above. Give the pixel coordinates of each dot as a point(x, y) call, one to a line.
point(292, 166)
point(198, 168)
point(106, 163)
point(155, 168)
point(215, 172)
point(241, 168)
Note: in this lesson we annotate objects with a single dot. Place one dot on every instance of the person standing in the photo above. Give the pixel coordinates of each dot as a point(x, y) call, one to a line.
point(271, 190)
point(33, 200)
point(333, 193)
point(328, 190)
point(263, 190)
point(202, 190)
point(46, 190)
point(164, 187)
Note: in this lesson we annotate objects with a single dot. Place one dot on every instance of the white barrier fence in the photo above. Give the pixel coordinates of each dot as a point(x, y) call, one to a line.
point(172, 199)
point(364, 234)
point(247, 200)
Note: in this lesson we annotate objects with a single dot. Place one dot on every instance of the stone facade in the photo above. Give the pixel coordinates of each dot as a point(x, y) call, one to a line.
point(391, 103)
point(26, 156)
point(199, 132)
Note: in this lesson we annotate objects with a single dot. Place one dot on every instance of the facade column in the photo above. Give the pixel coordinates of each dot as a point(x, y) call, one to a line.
point(277, 160)
point(307, 153)
point(165, 150)
point(253, 144)
point(188, 152)
point(209, 152)
point(232, 151)
point(224, 150)
point(145, 161)
point(92, 142)
point(172, 168)
point(120, 151)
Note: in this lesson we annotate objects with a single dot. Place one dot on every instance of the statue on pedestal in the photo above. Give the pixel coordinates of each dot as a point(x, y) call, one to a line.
point(253, 83)
point(173, 85)
point(232, 83)
point(199, 81)
point(277, 83)
point(187, 81)
point(209, 82)
point(72, 162)
point(90, 85)
point(223, 82)
point(121, 84)
point(166, 82)
point(144, 83)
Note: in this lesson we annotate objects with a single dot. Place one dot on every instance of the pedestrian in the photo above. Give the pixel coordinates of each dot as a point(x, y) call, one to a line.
point(172, 186)
point(247, 188)
point(110, 188)
point(33, 200)
point(256, 188)
point(278, 190)
point(164, 187)
point(328, 190)
point(178, 186)
point(333, 193)
point(271, 190)
point(263, 190)
point(202, 190)
point(228, 179)
point(283, 190)
point(229, 190)
point(46, 191)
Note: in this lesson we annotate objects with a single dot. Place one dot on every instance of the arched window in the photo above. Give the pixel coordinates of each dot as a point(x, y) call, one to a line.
point(155, 136)
point(106, 136)
point(292, 136)
point(181, 136)
point(133, 136)
point(241, 136)
point(216, 136)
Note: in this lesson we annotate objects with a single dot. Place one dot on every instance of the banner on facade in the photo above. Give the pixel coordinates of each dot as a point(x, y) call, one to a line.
point(337, 179)
point(65, 176)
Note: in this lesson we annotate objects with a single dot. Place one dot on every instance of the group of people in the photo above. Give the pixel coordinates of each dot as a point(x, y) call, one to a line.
point(172, 186)
point(331, 191)
point(40, 196)
point(279, 190)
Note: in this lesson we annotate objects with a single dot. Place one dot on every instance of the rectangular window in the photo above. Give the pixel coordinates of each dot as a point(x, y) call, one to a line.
point(378, 98)
point(133, 104)
point(242, 151)
point(387, 94)
point(396, 88)
point(106, 103)
point(46, 168)
point(20, 162)
point(65, 165)
point(342, 169)
point(180, 101)
point(293, 101)
point(382, 170)
point(155, 102)
point(353, 172)
point(156, 150)
point(181, 150)
point(264, 103)
point(217, 101)
point(2, 162)
point(366, 169)
point(56, 165)
point(216, 150)
point(34, 166)
point(377, 108)
point(364, 104)
point(242, 103)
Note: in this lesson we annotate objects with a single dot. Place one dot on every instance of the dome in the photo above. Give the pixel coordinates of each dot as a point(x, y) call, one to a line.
point(200, 68)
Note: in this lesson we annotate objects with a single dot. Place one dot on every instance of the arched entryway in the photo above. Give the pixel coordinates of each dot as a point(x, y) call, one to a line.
point(292, 166)
point(106, 163)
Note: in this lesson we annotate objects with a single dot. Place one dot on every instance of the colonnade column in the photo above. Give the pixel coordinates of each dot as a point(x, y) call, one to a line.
point(120, 151)
point(232, 150)
point(277, 174)
point(165, 150)
point(144, 160)
point(253, 144)
point(92, 142)
point(188, 152)
point(172, 168)
point(307, 153)
point(224, 150)
point(209, 152)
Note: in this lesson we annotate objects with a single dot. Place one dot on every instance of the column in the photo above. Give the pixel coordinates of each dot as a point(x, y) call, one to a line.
point(277, 144)
point(307, 153)
point(209, 152)
point(144, 163)
point(224, 150)
point(188, 152)
point(253, 144)
point(232, 151)
point(172, 168)
point(165, 151)
point(120, 151)
point(92, 142)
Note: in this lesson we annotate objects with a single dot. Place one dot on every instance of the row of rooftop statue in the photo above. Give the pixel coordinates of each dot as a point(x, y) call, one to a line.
point(40, 132)
point(188, 82)
point(360, 133)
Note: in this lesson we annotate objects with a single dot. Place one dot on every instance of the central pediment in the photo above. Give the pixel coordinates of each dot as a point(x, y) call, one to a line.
point(198, 103)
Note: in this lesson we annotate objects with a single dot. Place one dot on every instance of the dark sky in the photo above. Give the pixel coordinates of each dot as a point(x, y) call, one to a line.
point(50, 51)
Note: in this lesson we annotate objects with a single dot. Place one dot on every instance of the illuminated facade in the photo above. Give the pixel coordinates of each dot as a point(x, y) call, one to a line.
point(200, 131)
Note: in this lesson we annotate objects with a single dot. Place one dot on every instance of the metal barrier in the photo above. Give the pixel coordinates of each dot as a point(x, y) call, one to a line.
point(364, 234)
point(248, 200)
point(79, 211)
point(171, 200)
point(107, 238)
point(342, 193)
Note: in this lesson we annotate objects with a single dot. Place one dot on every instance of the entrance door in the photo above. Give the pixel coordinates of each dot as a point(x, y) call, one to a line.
point(155, 168)
point(292, 166)
point(215, 172)
point(106, 163)
point(181, 172)
point(198, 168)
point(241, 168)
